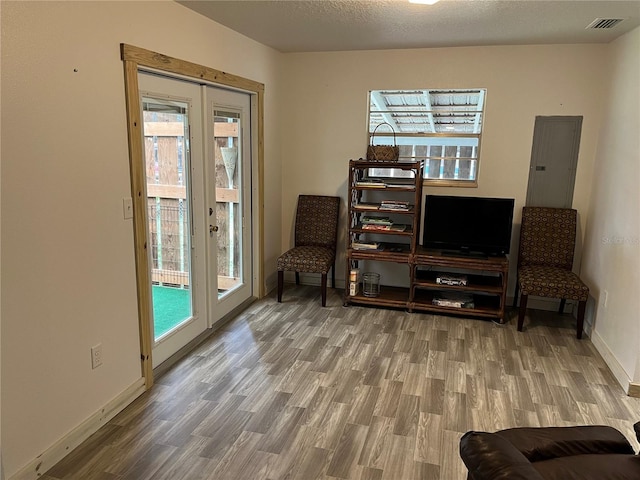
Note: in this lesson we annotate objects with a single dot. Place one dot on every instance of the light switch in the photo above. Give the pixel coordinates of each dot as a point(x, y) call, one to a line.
point(127, 208)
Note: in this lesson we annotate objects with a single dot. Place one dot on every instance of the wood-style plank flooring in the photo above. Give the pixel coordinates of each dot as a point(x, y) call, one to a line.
point(296, 391)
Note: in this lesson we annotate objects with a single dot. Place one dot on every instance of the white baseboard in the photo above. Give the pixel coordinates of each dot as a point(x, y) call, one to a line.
point(47, 459)
point(611, 361)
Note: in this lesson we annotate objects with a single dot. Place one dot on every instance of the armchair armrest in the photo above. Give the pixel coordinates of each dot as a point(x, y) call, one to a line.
point(489, 456)
point(544, 443)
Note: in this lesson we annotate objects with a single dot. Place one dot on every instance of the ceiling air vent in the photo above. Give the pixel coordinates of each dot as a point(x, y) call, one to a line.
point(604, 23)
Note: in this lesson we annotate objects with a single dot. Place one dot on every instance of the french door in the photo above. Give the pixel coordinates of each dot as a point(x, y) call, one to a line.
point(229, 199)
point(198, 163)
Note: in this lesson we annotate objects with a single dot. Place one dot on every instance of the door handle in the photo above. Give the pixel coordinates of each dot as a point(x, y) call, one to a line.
point(213, 228)
point(540, 168)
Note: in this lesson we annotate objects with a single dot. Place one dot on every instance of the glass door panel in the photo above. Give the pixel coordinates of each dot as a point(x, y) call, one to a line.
point(166, 144)
point(229, 193)
point(228, 175)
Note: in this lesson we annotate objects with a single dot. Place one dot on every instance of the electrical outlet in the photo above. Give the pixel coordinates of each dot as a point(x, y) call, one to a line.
point(96, 356)
point(605, 300)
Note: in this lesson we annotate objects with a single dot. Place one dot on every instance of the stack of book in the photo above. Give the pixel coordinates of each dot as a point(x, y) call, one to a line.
point(367, 206)
point(377, 220)
point(455, 300)
point(384, 224)
point(370, 182)
point(451, 279)
point(394, 205)
point(401, 185)
point(384, 228)
point(360, 245)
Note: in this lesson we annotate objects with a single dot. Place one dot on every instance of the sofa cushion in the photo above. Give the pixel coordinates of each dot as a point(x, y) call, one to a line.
point(490, 456)
point(538, 444)
point(590, 467)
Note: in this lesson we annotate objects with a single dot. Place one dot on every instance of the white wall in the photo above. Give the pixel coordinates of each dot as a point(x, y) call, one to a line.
point(324, 121)
point(68, 272)
point(611, 259)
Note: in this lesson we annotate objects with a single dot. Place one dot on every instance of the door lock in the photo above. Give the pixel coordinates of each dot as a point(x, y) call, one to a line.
point(213, 228)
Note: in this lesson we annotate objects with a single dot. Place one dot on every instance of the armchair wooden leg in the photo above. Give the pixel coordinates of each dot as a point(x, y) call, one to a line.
point(515, 294)
point(582, 306)
point(297, 278)
point(280, 285)
point(523, 310)
point(323, 286)
point(562, 302)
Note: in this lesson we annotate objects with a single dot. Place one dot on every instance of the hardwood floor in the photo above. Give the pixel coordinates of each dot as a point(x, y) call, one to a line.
point(296, 391)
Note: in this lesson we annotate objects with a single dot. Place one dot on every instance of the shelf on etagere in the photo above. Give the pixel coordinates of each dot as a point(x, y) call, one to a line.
point(375, 207)
point(396, 297)
point(387, 202)
point(406, 231)
point(475, 283)
point(379, 255)
point(483, 305)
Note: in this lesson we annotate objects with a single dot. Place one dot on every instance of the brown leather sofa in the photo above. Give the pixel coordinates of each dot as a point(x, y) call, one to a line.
point(550, 453)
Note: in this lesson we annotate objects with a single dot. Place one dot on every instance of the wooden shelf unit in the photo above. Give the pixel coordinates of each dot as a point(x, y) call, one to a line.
point(396, 247)
point(486, 282)
point(486, 277)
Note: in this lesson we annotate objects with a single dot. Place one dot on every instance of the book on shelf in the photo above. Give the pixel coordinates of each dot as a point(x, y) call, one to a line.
point(384, 228)
point(401, 185)
point(454, 299)
point(377, 220)
point(367, 206)
point(394, 205)
point(354, 275)
point(365, 245)
point(452, 279)
point(370, 182)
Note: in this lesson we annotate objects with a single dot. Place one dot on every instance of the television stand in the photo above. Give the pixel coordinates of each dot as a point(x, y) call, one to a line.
point(484, 293)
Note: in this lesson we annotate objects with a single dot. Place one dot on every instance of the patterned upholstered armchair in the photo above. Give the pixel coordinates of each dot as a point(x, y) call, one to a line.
point(545, 259)
point(316, 233)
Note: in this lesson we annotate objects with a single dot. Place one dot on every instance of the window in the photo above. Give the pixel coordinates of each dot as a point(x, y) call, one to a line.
point(443, 127)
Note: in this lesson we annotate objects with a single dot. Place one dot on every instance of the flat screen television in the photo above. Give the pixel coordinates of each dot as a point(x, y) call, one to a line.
point(468, 225)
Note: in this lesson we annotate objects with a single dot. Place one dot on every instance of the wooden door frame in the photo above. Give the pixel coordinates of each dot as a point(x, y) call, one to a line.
point(134, 58)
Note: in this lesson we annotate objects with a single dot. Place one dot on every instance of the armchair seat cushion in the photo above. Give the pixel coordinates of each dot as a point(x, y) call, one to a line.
point(554, 282)
point(307, 259)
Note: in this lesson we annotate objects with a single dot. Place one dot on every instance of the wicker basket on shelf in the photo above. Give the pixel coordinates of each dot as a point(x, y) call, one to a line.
point(383, 153)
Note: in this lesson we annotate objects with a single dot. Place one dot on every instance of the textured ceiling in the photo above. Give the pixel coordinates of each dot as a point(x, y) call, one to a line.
point(333, 25)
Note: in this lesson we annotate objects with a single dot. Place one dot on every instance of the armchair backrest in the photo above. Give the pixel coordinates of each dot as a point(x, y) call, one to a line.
point(547, 237)
point(317, 221)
